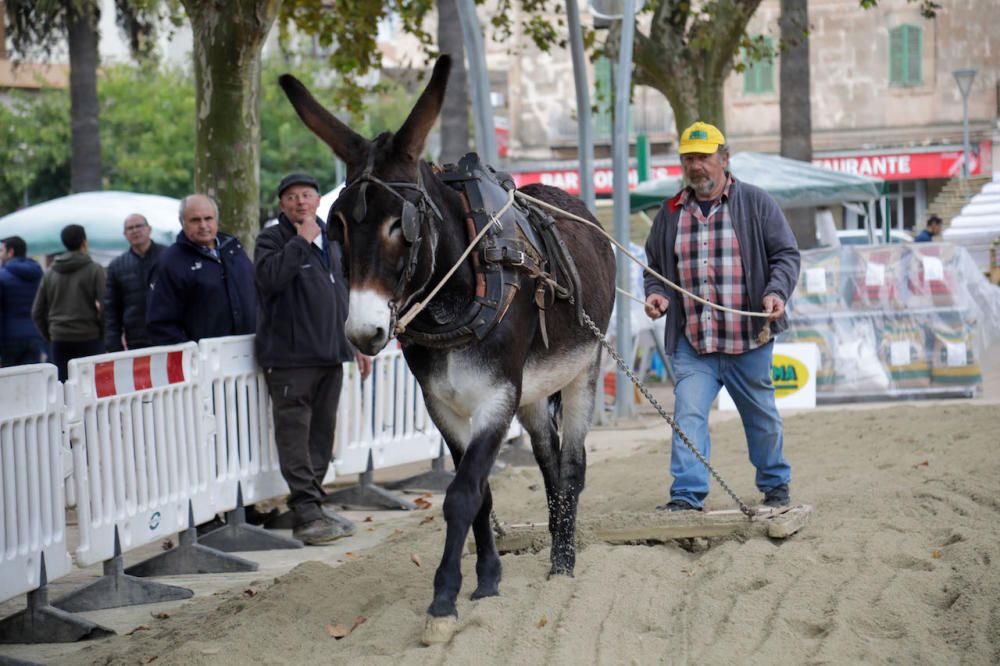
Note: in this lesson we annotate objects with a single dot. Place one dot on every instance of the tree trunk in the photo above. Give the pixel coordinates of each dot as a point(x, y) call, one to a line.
point(85, 161)
point(455, 111)
point(794, 101)
point(228, 37)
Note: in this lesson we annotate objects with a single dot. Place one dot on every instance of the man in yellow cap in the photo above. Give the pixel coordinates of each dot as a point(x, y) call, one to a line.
point(729, 243)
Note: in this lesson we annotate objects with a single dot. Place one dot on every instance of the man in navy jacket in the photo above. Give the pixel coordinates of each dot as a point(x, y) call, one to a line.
point(20, 342)
point(203, 285)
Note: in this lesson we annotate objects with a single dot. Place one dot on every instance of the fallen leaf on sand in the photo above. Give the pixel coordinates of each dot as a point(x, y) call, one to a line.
point(422, 503)
point(350, 555)
point(337, 631)
point(370, 529)
point(367, 519)
point(167, 544)
point(426, 520)
point(161, 615)
point(936, 554)
point(415, 559)
point(358, 621)
point(544, 621)
point(149, 660)
point(141, 627)
point(249, 592)
point(924, 463)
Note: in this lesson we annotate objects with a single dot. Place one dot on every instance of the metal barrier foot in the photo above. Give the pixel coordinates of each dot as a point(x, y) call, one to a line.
point(116, 588)
point(239, 535)
point(190, 557)
point(437, 479)
point(43, 623)
point(367, 494)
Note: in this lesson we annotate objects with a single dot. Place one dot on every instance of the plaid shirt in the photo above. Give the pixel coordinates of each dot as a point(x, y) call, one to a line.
point(709, 265)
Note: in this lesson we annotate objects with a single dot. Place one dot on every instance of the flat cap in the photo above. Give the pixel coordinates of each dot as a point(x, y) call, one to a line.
point(296, 179)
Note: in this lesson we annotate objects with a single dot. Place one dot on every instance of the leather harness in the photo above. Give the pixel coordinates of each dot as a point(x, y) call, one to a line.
point(524, 241)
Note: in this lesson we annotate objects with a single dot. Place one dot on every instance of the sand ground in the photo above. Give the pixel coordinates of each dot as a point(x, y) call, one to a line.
point(897, 565)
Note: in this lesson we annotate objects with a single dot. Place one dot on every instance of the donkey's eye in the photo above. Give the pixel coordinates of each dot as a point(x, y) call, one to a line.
point(396, 228)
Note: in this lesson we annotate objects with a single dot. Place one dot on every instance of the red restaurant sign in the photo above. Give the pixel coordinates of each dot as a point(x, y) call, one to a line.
point(901, 165)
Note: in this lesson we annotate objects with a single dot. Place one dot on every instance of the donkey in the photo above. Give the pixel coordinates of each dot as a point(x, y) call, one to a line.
point(402, 228)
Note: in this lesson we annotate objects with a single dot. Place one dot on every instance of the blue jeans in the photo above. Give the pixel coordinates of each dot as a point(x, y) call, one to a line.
point(698, 378)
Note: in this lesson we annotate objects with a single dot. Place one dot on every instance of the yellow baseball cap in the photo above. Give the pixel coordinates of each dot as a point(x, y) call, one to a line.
point(701, 138)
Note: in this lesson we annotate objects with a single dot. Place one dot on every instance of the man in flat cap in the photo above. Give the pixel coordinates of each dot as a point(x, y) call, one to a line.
point(302, 298)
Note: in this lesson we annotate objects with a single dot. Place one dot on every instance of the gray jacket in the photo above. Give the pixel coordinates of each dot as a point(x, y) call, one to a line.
point(768, 251)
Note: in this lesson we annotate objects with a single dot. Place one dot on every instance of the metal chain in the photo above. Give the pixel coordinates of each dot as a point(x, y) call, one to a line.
point(747, 511)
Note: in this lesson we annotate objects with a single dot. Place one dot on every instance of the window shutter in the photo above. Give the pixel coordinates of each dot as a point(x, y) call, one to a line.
point(897, 46)
point(906, 56)
point(914, 53)
point(758, 75)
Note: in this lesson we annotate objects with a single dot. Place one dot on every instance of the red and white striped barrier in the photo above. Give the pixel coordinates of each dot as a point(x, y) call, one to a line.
point(138, 430)
point(32, 513)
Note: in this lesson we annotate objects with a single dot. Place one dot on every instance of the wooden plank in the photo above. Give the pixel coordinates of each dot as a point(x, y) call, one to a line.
point(786, 524)
point(660, 527)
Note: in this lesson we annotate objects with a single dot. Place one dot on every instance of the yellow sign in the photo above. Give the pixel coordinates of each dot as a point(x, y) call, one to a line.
point(788, 375)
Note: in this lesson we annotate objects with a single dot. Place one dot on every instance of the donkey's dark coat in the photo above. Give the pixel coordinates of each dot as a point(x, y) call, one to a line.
point(473, 391)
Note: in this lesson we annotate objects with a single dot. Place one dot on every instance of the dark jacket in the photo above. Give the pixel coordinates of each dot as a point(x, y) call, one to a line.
point(193, 295)
point(302, 293)
point(125, 299)
point(768, 251)
point(66, 307)
point(19, 281)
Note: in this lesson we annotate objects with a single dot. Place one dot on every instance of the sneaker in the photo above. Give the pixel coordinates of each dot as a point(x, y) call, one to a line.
point(320, 531)
point(677, 505)
point(776, 497)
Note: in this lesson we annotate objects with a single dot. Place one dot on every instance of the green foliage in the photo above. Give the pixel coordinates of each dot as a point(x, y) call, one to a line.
point(34, 148)
point(345, 32)
point(147, 129)
point(148, 133)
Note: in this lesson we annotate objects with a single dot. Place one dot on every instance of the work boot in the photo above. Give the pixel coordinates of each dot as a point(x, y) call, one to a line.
point(677, 505)
point(320, 531)
point(776, 497)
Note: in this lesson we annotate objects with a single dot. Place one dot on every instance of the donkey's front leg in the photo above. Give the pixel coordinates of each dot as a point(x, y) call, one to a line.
point(465, 500)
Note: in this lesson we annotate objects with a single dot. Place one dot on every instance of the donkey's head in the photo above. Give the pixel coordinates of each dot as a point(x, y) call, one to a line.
point(384, 218)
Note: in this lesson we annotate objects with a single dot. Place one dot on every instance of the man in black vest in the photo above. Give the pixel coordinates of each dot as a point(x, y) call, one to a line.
point(302, 298)
point(128, 288)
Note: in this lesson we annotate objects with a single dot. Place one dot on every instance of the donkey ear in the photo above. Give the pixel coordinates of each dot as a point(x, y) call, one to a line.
point(347, 144)
point(409, 140)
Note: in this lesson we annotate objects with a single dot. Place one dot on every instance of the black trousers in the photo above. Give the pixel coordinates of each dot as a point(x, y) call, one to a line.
point(305, 419)
point(20, 351)
point(65, 351)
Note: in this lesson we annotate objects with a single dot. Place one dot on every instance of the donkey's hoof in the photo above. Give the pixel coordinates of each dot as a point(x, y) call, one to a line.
point(485, 591)
point(439, 629)
point(561, 571)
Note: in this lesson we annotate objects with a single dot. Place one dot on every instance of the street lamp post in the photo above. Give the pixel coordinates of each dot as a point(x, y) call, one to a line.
point(964, 78)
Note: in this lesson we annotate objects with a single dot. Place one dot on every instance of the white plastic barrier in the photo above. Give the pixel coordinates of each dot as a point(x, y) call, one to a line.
point(244, 451)
point(137, 427)
point(32, 516)
point(385, 415)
